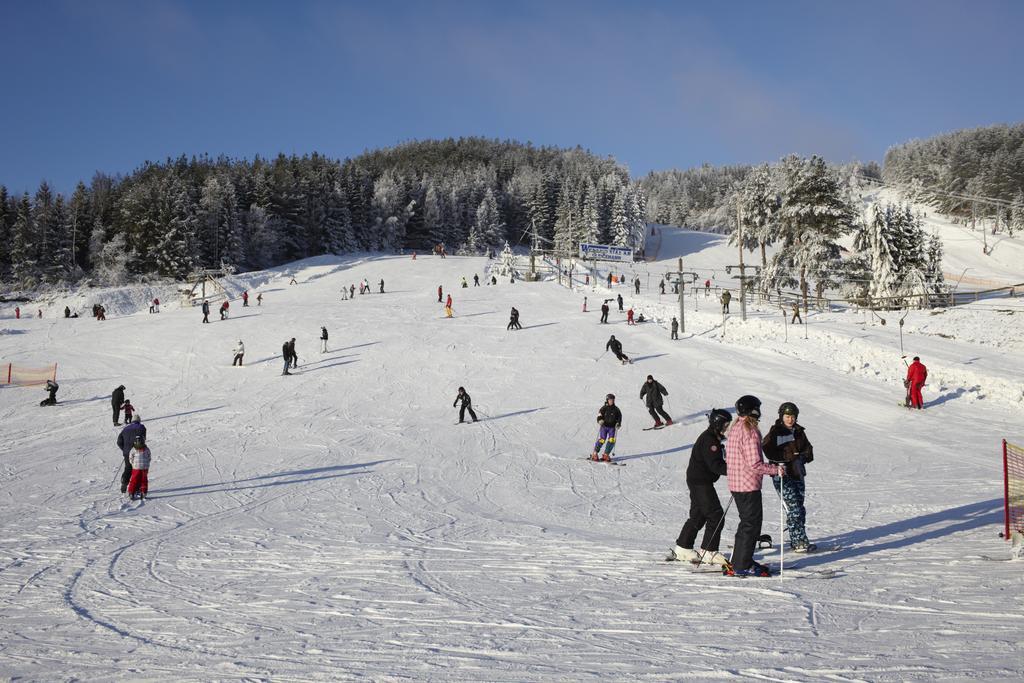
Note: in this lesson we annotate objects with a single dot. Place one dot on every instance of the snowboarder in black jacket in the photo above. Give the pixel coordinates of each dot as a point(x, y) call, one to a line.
point(616, 347)
point(116, 401)
point(653, 391)
point(707, 464)
point(467, 404)
point(51, 388)
point(513, 321)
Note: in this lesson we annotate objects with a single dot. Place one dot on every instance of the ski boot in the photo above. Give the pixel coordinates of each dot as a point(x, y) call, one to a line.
point(805, 547)
point(658, 423)
point(594, 457)
point(682, 554)
point(605, 457)
point(713, 557)
point(668, 422)
point(755, 569)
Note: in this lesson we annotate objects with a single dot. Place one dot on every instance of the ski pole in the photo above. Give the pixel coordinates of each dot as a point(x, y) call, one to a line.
point(721, 522)
point(601, 356)
point(782, 527)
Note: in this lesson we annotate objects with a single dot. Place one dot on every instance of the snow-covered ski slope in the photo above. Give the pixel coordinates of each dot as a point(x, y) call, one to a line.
point(338, 524)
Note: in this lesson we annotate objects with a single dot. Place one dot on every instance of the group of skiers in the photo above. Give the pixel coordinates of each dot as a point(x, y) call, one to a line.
point(743, 461)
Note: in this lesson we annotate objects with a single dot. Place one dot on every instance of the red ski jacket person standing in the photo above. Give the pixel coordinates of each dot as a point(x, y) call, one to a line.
point(917, 374)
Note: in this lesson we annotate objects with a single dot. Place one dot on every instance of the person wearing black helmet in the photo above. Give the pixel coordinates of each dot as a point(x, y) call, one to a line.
point(616, 347)
point(467, 404)
point(746, 467)
point(786, 443)
point(610, 418)
point(707, 464)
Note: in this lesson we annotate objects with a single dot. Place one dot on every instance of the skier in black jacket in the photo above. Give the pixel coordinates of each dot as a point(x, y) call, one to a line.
point(116, 401)
point(616, 347)
point(610, 419)
point(707, 464)
point(467, 404)
point(604, 311)
point(653, 391)
point(286, 353)
point(513, 321)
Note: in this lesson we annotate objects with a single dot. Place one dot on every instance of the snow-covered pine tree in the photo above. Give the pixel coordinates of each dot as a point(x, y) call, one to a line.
point(621, 229)
point(1016, 223)
point(490, 231)
point(62, 265)
point(564, 222)
point(636, 216)
point(81, 220)
point(23, 249)
point(111, 263)
point(591, 229)
point(814, 213)
point(175, 247)
point(6, 221)
point(933, 268)
point(44, 224)
point(759, 202)
point(879, 243)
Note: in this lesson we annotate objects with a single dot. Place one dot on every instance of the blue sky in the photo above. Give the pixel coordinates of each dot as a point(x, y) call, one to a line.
point(107, 84)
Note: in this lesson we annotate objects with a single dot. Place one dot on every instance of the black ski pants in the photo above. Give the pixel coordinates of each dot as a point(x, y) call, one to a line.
point(126, 475)
point(705, 511)
point(620, 355)
point(117, 414)
point(675, 334)
point(749, 506)
point(462, 412)
point(604, 315)
point(237, 360)
point(656, 410)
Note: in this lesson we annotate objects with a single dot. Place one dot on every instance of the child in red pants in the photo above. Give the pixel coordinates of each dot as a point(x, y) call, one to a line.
point(138, 485)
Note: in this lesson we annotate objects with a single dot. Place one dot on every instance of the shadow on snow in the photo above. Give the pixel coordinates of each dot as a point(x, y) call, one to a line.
point(303, 476)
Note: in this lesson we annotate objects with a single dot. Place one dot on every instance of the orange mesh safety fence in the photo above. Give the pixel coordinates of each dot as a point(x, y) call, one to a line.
point(1013, 470)
point(24, 376)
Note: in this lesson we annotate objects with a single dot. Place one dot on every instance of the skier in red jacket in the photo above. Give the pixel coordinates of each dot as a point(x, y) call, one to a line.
point(917, 374)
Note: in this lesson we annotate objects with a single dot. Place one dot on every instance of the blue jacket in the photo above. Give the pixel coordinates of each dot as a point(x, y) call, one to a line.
point(126, 439)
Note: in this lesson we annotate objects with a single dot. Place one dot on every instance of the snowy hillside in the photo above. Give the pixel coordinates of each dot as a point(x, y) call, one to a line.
point(339, 524)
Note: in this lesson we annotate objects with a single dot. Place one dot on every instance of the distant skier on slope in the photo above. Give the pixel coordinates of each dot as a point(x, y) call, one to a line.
point(125, 441)
point(323, 339)
point(513, 320)
point(139, 459)
point(286, 353)
point(917, 375)
point(467, 404)
point(440, 294)
point(239, 354)
point(619, 299)
point(609, 417)
point(116, 401)
point(448, 307)
point(604, 311)
point(616, 347)
point(129, 411)
point(206, 311)
point(651, 392)
point(707, 464)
